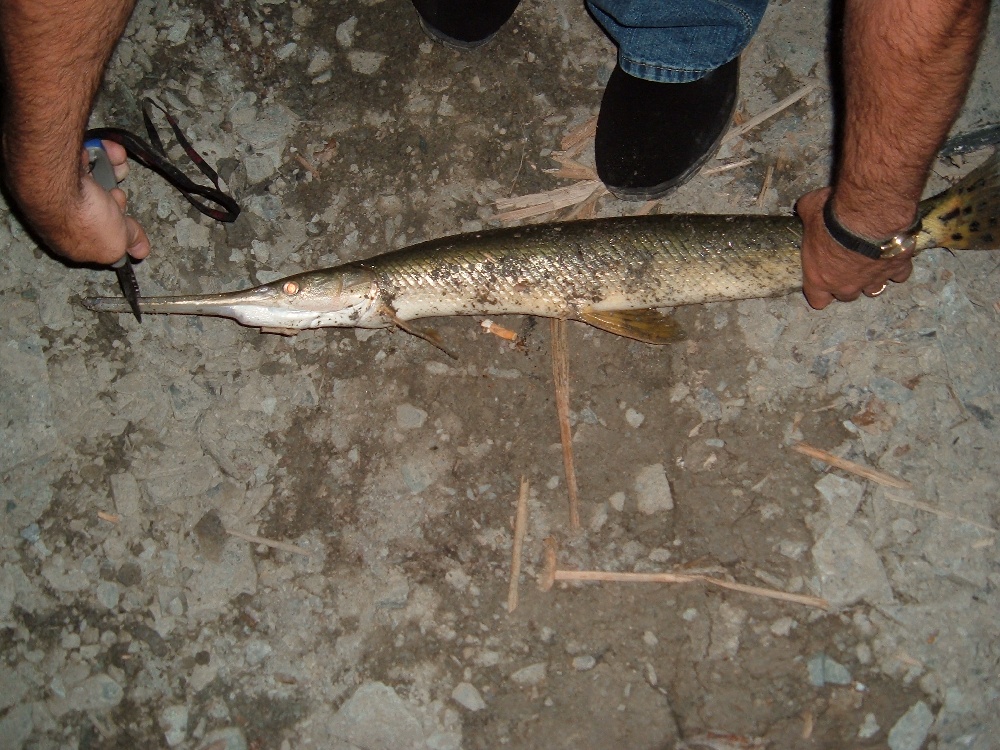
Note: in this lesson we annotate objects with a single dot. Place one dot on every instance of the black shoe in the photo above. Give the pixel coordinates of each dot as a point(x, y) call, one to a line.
point(651, 137)
point(465, 24)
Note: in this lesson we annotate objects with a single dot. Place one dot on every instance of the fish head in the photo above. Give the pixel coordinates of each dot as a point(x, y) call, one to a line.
point(345, 297)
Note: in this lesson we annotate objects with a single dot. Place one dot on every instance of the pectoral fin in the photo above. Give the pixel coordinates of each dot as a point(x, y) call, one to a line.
point(647, 326)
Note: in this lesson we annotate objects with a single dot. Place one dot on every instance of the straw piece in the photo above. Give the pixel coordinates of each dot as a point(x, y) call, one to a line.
point(725, 167)
point(767, 114)
point(879, 477)
point(269, 543)
point(578, 137)
point(942, 513)
point(601, 575)
point(560, 376)
point(520, 527)
point(536, 204)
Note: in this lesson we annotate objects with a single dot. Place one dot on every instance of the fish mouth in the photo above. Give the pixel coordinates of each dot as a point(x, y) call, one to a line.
point(261, 306)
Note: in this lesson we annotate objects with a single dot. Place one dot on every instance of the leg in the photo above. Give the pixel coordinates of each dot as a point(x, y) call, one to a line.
point(671, 96)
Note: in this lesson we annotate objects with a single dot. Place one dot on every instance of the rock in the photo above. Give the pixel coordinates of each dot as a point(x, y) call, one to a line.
point(173, 722)
point(911, 730)
point(466, 695)
point(107, 594)
point(825, 671)
point(97, 693)
point(191, 234)
point(842, 496)
point(319, 62)
point(230, 738)
point(617, 501)
point(584, 663)
point(634, 418)
point(409, 417)
point(16, 727)
point(345, 32)
point(782, 626)
point(211, 589)
point(848, 569)
point(653, 490)
point(869, 728)
point(366, 63)
point(727, 625)
point(375, 718)
point(531, 675)
point(67, 581)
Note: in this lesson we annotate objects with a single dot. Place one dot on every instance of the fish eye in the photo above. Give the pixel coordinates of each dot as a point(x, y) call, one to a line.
point(290, 287)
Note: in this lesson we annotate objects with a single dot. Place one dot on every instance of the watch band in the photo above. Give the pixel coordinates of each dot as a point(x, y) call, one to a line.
point(898, 243)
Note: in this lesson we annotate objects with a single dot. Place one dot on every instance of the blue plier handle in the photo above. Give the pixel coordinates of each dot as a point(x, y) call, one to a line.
point(103, 173)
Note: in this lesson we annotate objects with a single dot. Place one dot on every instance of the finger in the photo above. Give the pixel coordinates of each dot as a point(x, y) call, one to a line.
point(902, 274)
point(847, 297)
point(874, 291)
point(120, 198)
point(138, 241)
point(817, 299)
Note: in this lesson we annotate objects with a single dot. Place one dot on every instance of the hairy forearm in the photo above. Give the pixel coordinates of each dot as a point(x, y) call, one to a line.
point(53, 54)
point(907, 66)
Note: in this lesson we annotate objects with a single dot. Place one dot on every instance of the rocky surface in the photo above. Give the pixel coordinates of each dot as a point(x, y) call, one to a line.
point(131, 617)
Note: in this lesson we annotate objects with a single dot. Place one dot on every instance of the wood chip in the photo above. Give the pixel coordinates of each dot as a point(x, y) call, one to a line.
point(560, 376)
point(538, 204)
point(766, 185)
point(577, 138)
point(879, 477)
point(520, 528)
point(109, 517)
point(570, 169)
point(767, 114)
point(307, 164)
point(725, 167)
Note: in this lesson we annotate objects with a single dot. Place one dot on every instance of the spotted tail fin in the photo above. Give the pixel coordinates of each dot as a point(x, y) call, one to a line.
point(966, 216)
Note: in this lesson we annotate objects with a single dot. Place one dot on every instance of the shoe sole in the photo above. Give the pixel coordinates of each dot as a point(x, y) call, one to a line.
point(436, 35)
point(657, 192)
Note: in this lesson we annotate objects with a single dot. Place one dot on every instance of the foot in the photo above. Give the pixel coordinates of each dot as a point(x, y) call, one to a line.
point(465, 24)
point(652, 137)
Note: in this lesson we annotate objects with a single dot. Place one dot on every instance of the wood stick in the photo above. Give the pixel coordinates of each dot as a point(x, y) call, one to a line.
point(767, 114)
point(766, 185)
point(550, 574)
point(307, 164)
point(725, 167)
point(576, 138)
point(942, 513)
point(520, 527)
point(560, 375)
point(283, 546)
point(879, 477)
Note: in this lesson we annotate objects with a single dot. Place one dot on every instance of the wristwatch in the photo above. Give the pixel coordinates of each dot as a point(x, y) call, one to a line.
point(902, 241)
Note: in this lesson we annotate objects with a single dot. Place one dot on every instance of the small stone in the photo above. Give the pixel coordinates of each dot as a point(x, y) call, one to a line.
point(256, 651)
point(825, 671)
point(584, 663)
point(366, 63)
point(178, 32)
point(911, 730)
point(319, 62)
point(599, 518)
point(230, 738)
point(653, 490)
point(466, 695)
point(173, 722)
point(649, 638)
point(107, 594)
point(409, 417)
point(191, 234)
point(869, 728)
point(634, 418)
point(782, 626)
point(531, 675)
point(286, 51)
point(849, 569)
point(617, 501)
point(375, 717)
point(458, 579)
point(345, 32)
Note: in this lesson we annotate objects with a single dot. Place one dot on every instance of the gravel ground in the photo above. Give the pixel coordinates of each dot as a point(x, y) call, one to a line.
point(129, 617)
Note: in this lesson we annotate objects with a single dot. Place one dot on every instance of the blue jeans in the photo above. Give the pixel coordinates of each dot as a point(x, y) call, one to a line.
point(676, 41)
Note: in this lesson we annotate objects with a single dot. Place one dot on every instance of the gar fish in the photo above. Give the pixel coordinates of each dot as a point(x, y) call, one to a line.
point(611, 273)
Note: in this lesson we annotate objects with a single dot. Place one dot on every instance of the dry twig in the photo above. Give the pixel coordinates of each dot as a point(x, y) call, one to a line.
point(283, 546)
point(767, 114)
point(313, 169)
point(551, 574)
point(520, 527)
point(879, 477)
point(560, 375)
